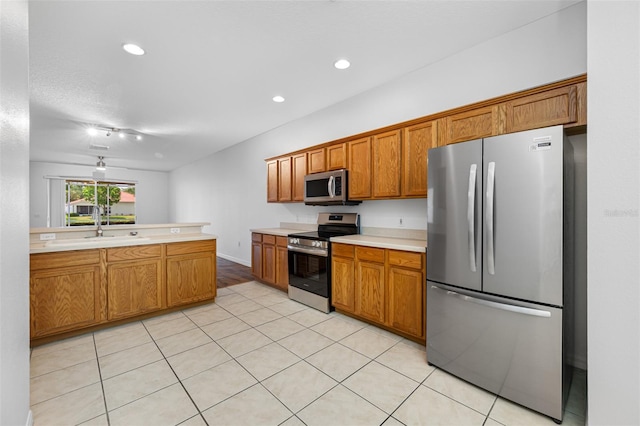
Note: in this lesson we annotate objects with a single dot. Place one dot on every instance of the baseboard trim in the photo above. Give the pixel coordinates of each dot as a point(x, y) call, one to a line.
point(234, 259)
point(30, 418)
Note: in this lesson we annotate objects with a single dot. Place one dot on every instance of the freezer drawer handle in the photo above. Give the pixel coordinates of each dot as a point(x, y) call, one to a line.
point(490, 237)
point(471, 204)
point(496, 305)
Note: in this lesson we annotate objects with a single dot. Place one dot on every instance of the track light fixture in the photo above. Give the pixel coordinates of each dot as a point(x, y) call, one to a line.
point(122, 133)
point(100, 165)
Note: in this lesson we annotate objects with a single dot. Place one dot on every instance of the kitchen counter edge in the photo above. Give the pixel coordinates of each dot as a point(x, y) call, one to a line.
point(404, 244)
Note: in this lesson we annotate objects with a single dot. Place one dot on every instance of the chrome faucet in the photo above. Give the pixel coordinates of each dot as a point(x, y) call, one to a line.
point(97, 218)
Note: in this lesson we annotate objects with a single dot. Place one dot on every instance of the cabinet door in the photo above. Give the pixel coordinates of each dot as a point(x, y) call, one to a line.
point(299, 170)
point(343, 283)
point(64, 299)
point(386, 164)
point(134, 288)
point(282, 264)
point(256, 255)
point(406, 301)
point(272, 181)
point(337, 156)
point(191, 278)
point(474, 124)
point(316, 161)
point(416, 141)
point(360, 168)
point(558, 106)
point(284, 179)
point(268, 261)
point(370, 285)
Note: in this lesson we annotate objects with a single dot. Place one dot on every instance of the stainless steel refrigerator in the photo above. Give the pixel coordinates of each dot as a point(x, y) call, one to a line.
point(500, 265)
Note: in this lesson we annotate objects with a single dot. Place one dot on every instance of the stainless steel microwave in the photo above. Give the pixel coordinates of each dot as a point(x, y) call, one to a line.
point(327, 189)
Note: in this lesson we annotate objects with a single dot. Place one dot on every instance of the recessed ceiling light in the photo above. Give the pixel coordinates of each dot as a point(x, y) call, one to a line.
point(121, 135)
point(342, 64)
point(92, 131)
point(278, 99)
point(134, 49)
point(138, 137)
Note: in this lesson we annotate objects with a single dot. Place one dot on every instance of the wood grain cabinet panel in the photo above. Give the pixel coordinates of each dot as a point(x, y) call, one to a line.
point(370, 287)
point(256, 258)
point(64, 299)
point(406, 300)
point(337, 156)
point(359, 158)
point(299, 170)
point(272, 181)
point(284, 179)
point(343, 277)
point(316, 160)
point(191, 278)
point(282, 264)
point(474, 124)
point(387, 160)
point(558, 106)
point(416, 142)
point(134, 288)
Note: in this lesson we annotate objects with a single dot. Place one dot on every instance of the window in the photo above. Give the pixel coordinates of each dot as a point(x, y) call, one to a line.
point(87, 202)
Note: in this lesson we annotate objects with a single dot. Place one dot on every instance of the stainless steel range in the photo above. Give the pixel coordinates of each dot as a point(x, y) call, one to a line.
point(310, 259)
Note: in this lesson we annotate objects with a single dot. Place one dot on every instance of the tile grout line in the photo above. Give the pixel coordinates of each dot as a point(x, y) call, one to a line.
point(104, 395)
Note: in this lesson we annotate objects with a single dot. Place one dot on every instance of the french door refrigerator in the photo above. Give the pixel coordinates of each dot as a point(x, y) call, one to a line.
point(500, 265)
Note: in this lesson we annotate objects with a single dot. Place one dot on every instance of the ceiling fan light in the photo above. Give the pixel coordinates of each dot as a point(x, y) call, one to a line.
point(121, 135)
point(138, 137)
point(92, 131)
point(133, 49)
point(100, 165)
point(278, 99)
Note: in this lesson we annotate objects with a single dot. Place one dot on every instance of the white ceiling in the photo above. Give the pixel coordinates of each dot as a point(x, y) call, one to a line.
point(212, 67)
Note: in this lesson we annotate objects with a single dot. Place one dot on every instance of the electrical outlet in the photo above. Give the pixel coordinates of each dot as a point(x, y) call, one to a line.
point(175, 230)
point(46, 237)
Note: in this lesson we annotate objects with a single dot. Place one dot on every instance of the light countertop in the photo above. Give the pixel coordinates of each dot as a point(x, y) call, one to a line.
point(280, 232)
point(404, 244)
point(115, 241)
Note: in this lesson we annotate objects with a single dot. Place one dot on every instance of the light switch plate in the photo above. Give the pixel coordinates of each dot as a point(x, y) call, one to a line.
point(175, 230)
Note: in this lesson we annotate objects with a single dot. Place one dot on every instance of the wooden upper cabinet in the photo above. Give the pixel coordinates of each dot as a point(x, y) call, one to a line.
point(299, 170)
point(337, 156)
point(557, 106)
point(416, 142)
point(386, 164)
point(359, 157)
point(316, 161)
point(272, 181)
point(474, 124)
point(284, 179)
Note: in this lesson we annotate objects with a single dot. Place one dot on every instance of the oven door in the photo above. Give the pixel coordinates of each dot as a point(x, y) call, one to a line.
point(309, 272)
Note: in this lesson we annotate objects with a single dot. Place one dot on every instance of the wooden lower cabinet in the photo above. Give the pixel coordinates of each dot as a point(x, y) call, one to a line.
point(79, 289)
point(343, 277)
point(63, 299)
point(270, 260)
point(191, 272)
point(383, 286)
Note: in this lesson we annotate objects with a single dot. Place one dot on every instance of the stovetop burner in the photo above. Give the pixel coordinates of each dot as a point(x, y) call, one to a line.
point(332, 225)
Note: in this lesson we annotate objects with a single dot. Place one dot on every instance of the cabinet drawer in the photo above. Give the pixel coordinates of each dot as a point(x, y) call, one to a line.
point(64, 259)
point(256, 237)
point(268, 239)
point(405, 259)
point(370, 253)
point(174, 249)
point(345, 250)
point(133, 252)
point(281, 241)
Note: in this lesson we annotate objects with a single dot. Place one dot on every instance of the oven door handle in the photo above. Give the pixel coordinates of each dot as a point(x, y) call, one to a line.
point(312, 251)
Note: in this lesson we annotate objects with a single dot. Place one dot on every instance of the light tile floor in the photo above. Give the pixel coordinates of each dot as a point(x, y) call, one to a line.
point(257, 358)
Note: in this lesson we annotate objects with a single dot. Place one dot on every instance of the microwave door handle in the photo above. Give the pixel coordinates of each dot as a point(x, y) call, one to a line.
point(331, 186)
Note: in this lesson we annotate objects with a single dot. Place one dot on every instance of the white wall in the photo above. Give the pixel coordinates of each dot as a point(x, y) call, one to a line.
point(152, 201)
point(614, 233)
point(14, 214)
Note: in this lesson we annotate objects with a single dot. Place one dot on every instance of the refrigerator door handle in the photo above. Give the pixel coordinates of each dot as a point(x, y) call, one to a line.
point(490, 237)
point(496, 305)
point(471, 210)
